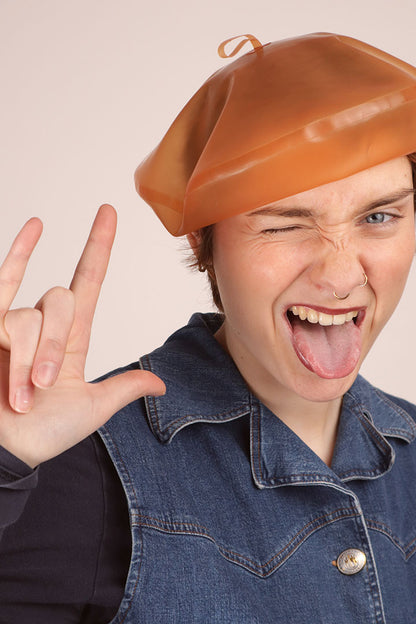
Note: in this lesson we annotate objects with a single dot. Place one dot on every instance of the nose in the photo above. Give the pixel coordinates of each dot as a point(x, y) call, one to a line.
point(338, 271)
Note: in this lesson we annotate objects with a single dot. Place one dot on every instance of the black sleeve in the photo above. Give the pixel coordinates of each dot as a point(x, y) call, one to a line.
point(66, 544)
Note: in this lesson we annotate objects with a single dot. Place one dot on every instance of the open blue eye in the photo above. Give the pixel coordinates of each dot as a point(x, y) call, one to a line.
point(378, 217)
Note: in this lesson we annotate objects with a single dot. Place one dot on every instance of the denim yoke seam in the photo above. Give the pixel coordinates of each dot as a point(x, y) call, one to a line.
point(406, 549)
point(261, 569)
point(126, 479)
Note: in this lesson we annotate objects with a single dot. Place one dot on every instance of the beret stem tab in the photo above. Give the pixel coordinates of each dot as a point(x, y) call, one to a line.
point(247, 39)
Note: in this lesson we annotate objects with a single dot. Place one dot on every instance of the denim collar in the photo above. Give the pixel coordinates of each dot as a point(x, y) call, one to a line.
point(204, 385)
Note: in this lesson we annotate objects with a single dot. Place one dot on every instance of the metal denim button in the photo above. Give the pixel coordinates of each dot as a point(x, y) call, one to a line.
point(351, 561)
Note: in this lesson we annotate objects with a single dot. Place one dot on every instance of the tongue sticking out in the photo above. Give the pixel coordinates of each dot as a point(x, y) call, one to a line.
point(330, 352)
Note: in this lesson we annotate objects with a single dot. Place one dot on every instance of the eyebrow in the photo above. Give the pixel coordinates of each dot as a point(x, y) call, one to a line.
point(299, 212)
point(281, 212)
point(385, 201)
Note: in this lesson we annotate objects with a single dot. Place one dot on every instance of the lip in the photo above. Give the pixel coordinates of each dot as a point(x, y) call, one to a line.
point(334, 311)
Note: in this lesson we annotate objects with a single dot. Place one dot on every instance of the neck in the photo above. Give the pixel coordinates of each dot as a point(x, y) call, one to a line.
point(314, 422)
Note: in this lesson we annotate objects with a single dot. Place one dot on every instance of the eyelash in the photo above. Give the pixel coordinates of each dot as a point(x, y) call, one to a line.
point(289, 228)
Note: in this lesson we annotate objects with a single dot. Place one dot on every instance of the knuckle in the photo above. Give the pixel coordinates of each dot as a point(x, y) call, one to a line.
point(56, 296)
point(8, 281)
point(89, 274)
point(20, 377)
point(54, 348)
point(16, 320)
point(21, 372)
point(60, 292)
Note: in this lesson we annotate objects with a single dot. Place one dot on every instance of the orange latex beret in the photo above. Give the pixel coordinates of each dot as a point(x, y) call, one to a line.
point(283, 118)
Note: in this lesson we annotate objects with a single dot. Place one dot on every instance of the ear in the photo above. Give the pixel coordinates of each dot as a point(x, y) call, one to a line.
point(194, 240)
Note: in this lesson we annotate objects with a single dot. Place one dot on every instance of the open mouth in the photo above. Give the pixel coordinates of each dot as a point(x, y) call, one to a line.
point(328, 343)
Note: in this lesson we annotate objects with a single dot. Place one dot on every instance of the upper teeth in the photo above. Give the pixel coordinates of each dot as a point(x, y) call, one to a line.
point(319, 317)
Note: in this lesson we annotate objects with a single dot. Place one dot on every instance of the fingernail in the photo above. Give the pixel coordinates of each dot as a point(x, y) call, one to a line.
point(22, 399)
point(46, 374)
point(158, 394)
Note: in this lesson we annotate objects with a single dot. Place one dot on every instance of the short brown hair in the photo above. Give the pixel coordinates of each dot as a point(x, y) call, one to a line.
point(203, 254)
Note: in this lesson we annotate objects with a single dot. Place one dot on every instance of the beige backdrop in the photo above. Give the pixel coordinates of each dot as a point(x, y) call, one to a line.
point(88, 87)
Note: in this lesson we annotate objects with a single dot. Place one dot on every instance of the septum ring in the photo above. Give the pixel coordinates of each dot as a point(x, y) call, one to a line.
point(348, 294)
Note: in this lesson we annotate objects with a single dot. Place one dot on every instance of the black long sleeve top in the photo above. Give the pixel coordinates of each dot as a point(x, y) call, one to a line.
point(64, 538)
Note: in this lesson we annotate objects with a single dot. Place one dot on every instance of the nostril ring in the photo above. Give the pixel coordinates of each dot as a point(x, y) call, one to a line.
point(348, 294)
point(340, 298)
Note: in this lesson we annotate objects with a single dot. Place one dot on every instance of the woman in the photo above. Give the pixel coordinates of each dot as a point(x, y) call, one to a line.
point(266, 481)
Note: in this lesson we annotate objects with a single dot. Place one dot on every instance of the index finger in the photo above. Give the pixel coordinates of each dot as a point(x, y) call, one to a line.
point(13, 268)
point(89, 274)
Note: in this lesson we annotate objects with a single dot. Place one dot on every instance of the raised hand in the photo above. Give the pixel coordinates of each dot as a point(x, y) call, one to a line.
point(45, 404)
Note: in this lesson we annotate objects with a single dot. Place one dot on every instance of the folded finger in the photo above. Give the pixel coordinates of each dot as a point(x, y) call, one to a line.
point(57, 307)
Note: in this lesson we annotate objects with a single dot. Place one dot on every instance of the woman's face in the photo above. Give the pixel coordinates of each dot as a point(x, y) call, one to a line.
point(277, 264)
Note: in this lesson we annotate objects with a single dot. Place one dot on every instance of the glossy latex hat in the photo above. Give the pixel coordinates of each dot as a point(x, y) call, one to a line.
point(281, 119)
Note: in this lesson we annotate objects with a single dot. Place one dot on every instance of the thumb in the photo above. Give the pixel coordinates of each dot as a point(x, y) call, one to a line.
point(115, 392)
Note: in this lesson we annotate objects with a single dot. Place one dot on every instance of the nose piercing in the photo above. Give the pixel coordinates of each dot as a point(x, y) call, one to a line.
point(340, 298)
point(348, 294)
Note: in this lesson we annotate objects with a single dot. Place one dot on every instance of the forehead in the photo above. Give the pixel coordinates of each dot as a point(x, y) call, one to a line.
point(355, 191)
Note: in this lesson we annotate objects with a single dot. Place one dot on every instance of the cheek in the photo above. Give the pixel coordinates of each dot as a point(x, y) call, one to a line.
point(253, 274)
point(391, 276)
point(402, 260)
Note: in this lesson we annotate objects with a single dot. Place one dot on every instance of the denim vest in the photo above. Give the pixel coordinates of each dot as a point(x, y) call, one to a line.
point(235, 520)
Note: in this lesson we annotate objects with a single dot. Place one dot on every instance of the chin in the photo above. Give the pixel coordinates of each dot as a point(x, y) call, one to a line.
point(320, 389)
